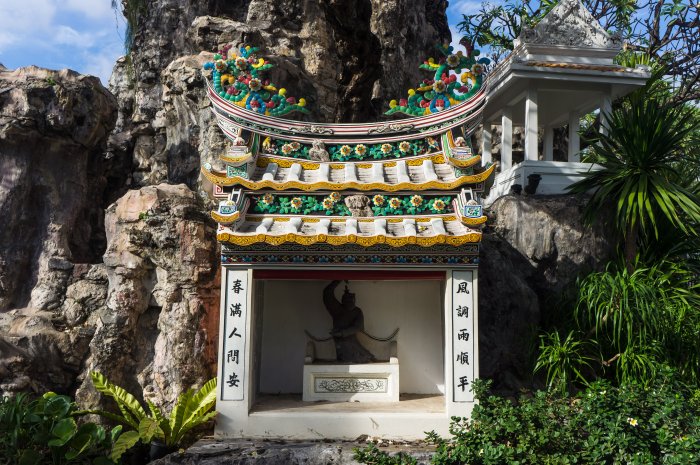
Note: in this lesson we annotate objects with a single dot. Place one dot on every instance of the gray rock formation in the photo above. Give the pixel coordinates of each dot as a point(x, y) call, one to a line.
point(157, 330)
point(243, 452)
point(534, 249)
point(146, 317)
point(53, 127)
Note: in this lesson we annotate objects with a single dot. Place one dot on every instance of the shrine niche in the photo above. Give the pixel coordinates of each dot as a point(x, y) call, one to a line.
point(391, 209)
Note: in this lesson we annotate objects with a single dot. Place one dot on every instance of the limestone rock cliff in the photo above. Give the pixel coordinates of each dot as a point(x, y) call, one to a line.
point(53, 127)
point(157, 328)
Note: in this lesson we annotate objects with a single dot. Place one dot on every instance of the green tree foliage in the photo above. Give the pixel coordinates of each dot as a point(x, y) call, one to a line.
point(564, 359)
point(664, 32)
point(645, 314)
point(633, 323)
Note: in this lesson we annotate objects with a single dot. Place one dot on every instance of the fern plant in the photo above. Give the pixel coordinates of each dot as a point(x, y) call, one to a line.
point(191, 410)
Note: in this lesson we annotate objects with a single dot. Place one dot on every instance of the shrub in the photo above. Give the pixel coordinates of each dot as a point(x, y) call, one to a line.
point(45, 431)
point(633, 324)
point(630, 424)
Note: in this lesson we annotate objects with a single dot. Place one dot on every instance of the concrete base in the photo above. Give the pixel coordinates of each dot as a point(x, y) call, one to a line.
point(556, 177)
point(288, 417)
point(369, 382)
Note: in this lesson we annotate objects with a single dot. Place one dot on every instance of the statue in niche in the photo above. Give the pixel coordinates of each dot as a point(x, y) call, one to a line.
point(359, 205)
point(348, 320)
point(318, 151)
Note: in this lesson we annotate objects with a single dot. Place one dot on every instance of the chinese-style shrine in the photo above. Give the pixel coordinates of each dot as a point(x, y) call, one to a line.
point(391, 208)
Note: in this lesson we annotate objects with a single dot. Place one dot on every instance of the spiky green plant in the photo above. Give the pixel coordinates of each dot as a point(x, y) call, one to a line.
point(564, 360)
point(642, 154)
point(190, 410)
point(134, 11)
point(643, 320)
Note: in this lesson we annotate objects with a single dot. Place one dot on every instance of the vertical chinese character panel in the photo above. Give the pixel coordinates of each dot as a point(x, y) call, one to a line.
point(234, 334)
point(463, 335)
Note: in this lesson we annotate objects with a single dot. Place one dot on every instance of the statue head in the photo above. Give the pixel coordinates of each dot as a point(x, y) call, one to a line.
point(318, 144)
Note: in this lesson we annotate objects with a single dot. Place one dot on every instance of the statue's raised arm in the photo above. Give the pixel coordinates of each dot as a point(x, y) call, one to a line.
point(348, 320)
point(332, 304)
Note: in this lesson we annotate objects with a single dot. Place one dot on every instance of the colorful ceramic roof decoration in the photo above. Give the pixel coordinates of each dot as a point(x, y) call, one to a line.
point(444, 89)
point(390, 193)
point(240, 79)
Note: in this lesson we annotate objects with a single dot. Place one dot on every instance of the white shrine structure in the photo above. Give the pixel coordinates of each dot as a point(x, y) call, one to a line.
point(559, 71)
point(394, 209)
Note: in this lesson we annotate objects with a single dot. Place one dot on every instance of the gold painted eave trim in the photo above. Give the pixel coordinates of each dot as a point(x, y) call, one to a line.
point(471, 161)
point(237, 160)
point(225, 219)
point(339, 186)
point(474, 221)
point(364, 241)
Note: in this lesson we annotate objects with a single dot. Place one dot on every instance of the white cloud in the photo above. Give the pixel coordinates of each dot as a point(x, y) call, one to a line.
point(78, 34)
point(463, 7)
point(99, 65)
point(24, 20)
point(66, 35)
point(456, 36)
point(6, 39)
point(93, 9)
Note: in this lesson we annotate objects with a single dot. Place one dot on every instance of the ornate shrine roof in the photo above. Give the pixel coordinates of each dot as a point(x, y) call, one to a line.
point(365, 191)
point(446, 167)
point(397, 220)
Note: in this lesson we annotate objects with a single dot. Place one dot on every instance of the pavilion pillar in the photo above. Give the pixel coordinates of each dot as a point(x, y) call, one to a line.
point(605, 109)
point(486, 157)
point(531, 125)
point(574, 139)
point(548, 143)
point(506, 139)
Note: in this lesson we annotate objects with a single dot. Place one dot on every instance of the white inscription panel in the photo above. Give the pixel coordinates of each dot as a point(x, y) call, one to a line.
point(233, 365)
point(463, 335)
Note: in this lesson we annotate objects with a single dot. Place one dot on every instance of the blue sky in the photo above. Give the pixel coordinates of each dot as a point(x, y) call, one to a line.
point(84, 35)
point(87, 35)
